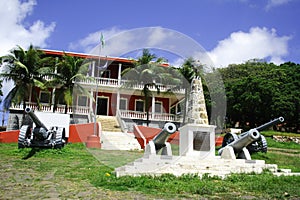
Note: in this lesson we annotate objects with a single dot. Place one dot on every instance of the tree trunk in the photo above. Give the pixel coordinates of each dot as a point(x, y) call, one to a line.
point(147, 109)
point(24, 106)
point(185, 105)
point(66, 108)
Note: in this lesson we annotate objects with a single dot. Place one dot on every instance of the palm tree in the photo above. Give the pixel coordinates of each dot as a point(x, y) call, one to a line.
point(26, 69)
point(149, 74)
point(70, 69)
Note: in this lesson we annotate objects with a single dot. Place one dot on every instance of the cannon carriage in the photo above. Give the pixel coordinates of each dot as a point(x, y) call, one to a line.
point(40, 135)
point(159, 142)
point(247, 143)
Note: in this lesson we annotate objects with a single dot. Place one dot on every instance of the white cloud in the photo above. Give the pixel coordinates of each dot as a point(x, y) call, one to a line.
point(275, 3)
point(177, 62)
point(89, 42)
point(260, 43)
point(15, 32)
point(120, 43)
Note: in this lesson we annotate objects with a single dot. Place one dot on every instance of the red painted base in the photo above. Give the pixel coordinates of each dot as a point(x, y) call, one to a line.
point(93, 141)
point(219, 141)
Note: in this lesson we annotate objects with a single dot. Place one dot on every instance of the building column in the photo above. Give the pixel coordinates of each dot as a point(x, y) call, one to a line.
point(118, 92)
point(119, 74)
point(93, 68)
point(118, 102)
point(91, 99)
point(53, 90)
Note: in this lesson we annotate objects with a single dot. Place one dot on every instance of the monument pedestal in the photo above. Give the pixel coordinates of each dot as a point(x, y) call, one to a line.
point(197, 140)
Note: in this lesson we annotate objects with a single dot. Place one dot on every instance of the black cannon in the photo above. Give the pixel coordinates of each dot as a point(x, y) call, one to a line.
point(160, 141)
point(246, 143)
point(40, 135)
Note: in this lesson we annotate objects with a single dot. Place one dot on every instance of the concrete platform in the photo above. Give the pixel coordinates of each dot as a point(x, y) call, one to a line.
point(179, 165)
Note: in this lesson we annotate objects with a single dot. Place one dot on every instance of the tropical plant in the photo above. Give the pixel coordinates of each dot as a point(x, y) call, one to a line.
point(26, 70)
point(1, 93)
point(150, 74)
point(69, 70)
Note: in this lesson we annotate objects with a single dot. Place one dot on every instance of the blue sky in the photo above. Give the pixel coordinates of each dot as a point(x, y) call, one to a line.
point(231, 31)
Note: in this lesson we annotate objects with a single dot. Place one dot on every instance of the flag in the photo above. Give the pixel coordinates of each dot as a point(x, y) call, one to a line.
point(102, 40)
point(104, 67)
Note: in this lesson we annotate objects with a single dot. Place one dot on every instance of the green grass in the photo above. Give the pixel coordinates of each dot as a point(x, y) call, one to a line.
point(284, 145)
point(271, 133)
point(285, 154)
point(76, 165)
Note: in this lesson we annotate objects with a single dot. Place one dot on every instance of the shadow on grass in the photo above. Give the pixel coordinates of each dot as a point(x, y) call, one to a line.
point(31, 153)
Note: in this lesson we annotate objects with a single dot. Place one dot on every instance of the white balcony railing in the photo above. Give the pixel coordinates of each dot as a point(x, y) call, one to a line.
point(109, 82)
point(49, 108)
point(82, 110)
point(129, 114)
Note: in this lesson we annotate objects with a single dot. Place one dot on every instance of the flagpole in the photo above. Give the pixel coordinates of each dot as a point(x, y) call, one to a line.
point(97, 68)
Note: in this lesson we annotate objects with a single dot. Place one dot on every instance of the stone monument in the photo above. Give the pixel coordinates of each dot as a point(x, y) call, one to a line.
point(197, 137)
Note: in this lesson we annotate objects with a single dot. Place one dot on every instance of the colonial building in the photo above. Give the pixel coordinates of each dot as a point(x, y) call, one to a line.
point(111, 95)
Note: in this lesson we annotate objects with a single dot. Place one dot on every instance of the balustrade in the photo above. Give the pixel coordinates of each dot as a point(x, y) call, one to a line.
point(143, 115)
point(109, 82)
point(49, 108)
point(129, 114)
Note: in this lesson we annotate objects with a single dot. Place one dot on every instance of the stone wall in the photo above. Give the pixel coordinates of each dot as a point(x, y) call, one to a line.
point(286, 139)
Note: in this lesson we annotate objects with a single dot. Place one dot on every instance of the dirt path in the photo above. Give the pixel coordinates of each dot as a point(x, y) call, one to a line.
point(288, 152)
point(29, 184)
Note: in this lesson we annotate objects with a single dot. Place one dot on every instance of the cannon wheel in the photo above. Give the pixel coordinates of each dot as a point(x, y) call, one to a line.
point(60, 137)
point(263, 144)
point(228, 138)
point(23, 135)
point(260, 145)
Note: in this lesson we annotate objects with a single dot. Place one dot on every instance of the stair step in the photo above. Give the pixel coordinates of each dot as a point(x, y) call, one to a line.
point(109, 123)
point(119, 141)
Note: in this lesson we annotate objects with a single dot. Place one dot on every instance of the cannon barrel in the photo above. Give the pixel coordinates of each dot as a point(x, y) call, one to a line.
point(267, 125)
point(160, 139)
point(246, 139)
point(35, 119)
point(250, 136)
point(271, 123)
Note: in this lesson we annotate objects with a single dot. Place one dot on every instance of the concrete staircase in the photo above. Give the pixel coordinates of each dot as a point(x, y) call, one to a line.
point(118, 141)
point(112, 137)
point(109, 123)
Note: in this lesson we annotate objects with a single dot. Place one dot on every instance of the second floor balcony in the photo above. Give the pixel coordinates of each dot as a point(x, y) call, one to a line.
point(127, 84)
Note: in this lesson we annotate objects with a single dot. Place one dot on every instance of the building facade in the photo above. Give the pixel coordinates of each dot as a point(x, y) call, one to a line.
point(111, 94)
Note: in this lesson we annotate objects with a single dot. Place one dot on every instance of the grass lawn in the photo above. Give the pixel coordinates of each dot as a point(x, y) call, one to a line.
point(75, 172)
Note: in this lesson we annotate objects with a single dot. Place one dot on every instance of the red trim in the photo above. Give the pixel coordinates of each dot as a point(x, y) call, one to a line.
point(9, 136)
point(81, 55)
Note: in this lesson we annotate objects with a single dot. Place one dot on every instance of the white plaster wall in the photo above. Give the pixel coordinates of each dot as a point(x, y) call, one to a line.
point(54, 119)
